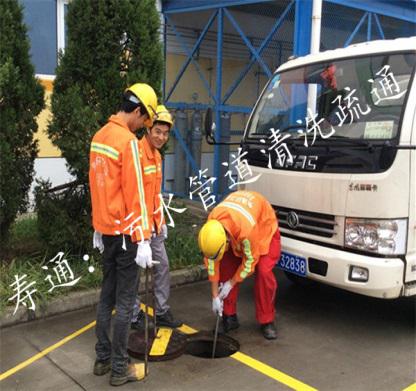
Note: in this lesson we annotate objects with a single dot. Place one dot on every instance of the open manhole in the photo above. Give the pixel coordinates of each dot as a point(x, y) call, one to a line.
point(201, 344)
point(166, 345)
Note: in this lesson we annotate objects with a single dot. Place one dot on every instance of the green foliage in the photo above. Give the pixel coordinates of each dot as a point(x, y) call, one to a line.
point(182, 245)
point(63, 219)
point(32, 267)
point(21, 100)
point(111, 45)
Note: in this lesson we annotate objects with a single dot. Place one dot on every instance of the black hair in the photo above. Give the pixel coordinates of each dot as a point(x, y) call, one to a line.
point(128, 106)
point(162, 123)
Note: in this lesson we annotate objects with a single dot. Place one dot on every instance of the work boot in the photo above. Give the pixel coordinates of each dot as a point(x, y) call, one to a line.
point(269, 330)
point(102, 367)
point(167, 320)
point(134, 372)
point(229, 322)
point(140, 323)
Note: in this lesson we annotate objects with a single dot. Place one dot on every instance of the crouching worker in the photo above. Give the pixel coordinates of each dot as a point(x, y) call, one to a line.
point(241, 237)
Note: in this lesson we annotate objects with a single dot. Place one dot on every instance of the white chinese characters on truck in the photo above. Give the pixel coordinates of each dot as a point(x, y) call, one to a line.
point(333, 136)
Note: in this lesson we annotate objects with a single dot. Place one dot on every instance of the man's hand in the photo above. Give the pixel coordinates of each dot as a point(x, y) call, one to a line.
point(164, 231)
point(225, 289)
point(217, 306)
point(97, 241)
point(144, 254)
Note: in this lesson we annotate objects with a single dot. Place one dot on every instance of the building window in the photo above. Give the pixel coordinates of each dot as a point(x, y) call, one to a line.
point(61, 10)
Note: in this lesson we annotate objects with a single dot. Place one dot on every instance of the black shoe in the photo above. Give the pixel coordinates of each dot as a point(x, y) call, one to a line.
point(102, 367)
point(229, 322)
point(167, 320)
point(269, 330)
point(140, 323)
point(134, 372)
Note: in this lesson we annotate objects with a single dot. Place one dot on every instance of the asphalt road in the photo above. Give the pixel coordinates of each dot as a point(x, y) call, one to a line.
point(328, 340)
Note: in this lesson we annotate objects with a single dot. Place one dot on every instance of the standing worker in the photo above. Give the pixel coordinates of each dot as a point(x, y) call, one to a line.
point(155, 138)
point(121, 222)
point(240, 237)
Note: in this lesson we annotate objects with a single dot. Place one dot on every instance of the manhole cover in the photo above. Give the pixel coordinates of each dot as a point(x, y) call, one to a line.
point(201, 344)
point(167, 345)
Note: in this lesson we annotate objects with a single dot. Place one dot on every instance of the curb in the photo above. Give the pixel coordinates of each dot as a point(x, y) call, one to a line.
point(83, 299)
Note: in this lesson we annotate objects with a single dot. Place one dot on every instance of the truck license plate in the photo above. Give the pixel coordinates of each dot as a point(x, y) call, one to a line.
point(292, 263)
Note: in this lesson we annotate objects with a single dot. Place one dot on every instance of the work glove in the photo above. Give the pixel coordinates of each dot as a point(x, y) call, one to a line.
point(164, 231)
point(224, 289)
point(217, 306)
point(97, 241)
point(144, 254)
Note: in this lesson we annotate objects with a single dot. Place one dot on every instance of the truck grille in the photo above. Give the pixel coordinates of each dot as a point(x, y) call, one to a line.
point(318, 224)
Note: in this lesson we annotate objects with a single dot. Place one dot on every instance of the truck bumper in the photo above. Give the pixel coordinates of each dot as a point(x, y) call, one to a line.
point(385, 275)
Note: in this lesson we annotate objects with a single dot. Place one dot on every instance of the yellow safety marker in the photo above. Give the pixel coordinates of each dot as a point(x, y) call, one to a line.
point(160, 343)
point(43, 353)
point(186, 329)
point(271, 372)
point(149, 309)
point(412, 387)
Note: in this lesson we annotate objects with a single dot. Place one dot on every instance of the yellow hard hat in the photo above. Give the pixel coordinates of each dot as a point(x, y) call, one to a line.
point(212, 240)
point(147, 96)
point(163, 115)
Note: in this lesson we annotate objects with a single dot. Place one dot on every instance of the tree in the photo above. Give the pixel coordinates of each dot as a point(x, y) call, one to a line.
point(111, 45)
point(21, 100)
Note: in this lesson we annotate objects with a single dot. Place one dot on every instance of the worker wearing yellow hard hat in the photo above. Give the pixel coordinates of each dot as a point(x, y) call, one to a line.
point(241, 237)
point(155, 138)
point(122, 219)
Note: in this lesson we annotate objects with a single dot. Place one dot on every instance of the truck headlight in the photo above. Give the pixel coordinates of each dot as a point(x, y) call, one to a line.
point(379, 236)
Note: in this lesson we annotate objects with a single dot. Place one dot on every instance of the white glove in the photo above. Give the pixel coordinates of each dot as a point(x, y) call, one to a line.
point(97, 241)
point(217, 306)
point(224, 290)
point(144, 254)
point(164, 231)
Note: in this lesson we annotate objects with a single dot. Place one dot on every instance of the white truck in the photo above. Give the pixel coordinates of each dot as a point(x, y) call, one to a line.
point(333, 136)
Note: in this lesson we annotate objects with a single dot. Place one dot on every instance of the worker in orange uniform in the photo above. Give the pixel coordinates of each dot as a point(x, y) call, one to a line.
point(122, 223)
point(241, 237)
point(154, 139)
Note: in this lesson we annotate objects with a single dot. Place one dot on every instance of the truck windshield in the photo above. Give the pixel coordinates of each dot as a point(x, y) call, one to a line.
point(348, 103)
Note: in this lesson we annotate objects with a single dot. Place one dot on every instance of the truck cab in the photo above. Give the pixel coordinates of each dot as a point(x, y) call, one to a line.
point(333, 136)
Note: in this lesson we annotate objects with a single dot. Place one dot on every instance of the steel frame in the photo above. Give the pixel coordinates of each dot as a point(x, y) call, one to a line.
point(301, 39)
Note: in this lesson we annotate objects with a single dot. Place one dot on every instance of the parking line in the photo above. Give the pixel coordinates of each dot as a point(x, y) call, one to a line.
point(43, 353)
point(412, 387)
point(272, 372)
point(241, 357)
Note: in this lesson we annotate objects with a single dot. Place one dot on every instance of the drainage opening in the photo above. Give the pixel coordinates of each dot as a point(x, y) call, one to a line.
point(202, 343)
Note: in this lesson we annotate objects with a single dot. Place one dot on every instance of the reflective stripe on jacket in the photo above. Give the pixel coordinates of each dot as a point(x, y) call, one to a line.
point(116, 175)
point(152, 179)
point(251, 223)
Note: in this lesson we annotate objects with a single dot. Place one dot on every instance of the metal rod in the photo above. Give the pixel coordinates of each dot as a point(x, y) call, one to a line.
point(214, 346)
point(154, 303)
point(146, 322)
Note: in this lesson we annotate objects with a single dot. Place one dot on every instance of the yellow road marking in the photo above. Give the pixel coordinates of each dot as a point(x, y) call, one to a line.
point(187, 329)
point(271, 372)
point(43, 353)
point(160, 343)
point(244, 359)
point(412, 387)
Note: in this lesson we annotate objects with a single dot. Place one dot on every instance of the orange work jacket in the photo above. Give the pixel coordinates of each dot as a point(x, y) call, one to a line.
point(152, 179)
point(120, 175)
point(251, 222)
